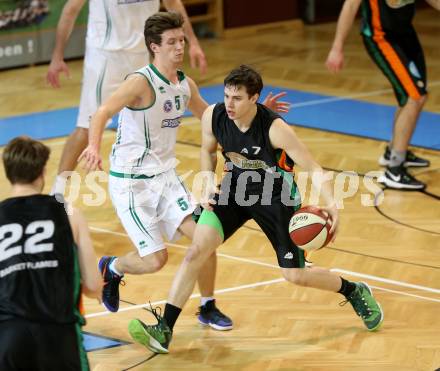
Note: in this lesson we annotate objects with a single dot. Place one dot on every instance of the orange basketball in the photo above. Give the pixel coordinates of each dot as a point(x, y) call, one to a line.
point(309, 228)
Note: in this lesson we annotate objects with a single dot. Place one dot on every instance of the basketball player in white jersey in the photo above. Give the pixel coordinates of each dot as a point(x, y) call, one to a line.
point(115, 47)
point(150, 199)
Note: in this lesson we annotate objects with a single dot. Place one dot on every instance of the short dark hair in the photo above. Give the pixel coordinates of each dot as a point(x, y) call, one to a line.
point(157, 24)
point(24, 159)
point(245, 76)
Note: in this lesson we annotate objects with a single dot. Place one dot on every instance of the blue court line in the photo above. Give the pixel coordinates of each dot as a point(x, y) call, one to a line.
point(94, 342)
point(347, 116)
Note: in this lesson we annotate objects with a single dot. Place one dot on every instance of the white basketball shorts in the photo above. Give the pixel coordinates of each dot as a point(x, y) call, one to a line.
point(150, 207)
point(103, 73)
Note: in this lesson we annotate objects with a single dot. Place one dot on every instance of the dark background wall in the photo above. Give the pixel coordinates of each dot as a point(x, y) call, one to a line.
point(318, 11)
point(238, 13)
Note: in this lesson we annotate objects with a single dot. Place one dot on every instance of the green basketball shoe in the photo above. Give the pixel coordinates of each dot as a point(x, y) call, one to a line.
point(155, 337)
point(366, 306)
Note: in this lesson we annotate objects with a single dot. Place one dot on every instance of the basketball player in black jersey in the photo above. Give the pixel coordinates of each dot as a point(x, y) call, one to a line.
point(46, 260)
point(259, 149)
point(393, 45)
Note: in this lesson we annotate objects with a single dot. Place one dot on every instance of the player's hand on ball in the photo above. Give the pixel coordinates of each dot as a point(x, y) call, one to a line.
point(332, 212)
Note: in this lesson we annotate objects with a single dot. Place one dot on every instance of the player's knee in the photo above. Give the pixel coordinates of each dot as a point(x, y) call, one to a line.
point(423, 100)
point(154, 262)
point(82, 133)
point(419, 101)
point(297, 276)
point(79, 137)
point(193, 253)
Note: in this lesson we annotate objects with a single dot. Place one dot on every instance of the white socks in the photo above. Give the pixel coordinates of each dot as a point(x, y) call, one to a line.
point(59, 186)
point(204, 300)
point(113, 269)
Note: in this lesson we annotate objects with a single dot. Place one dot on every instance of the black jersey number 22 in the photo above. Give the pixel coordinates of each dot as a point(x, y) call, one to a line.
point(36, 232)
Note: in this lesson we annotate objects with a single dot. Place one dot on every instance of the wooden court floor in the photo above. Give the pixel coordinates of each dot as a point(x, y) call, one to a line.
point(395, 248)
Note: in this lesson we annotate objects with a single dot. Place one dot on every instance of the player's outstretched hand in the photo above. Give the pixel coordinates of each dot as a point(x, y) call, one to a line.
point(53, 74)
point(197, 58)
point(335, 61)
point(333, 213)
point(273, 102)
point(91, 158)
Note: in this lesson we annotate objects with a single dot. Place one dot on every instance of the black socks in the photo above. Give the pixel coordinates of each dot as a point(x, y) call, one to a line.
point(171, 314)
point(347, 287)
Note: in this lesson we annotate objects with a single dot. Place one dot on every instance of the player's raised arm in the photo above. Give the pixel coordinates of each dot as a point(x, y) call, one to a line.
point(275, 104)
point(197, 104)
point(132, 91)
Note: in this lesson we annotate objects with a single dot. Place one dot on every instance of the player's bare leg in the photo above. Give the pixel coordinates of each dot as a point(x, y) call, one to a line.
point(74, 146)
point(397, 157)
point(405, 123)
point(209, 314)
point(206, 240)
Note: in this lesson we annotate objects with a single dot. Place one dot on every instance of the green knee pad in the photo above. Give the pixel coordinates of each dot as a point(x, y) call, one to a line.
point(209, 218)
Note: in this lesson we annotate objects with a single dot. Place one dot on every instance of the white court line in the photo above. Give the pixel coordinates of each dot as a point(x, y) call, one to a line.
point(405, 293)
point(346, 97)
point(242, 287)
point(63, 141)
point(231, 257)
point(102, 230)
point(317, 102)
point(298, 105)
point(355, 274)
point(185, 247)
point(263, 283)
point(386, 280)
point(221, 291)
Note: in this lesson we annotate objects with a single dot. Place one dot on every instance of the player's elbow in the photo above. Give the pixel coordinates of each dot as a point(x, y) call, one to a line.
point(100, 118)
point(104, 113)
point(210, 153)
